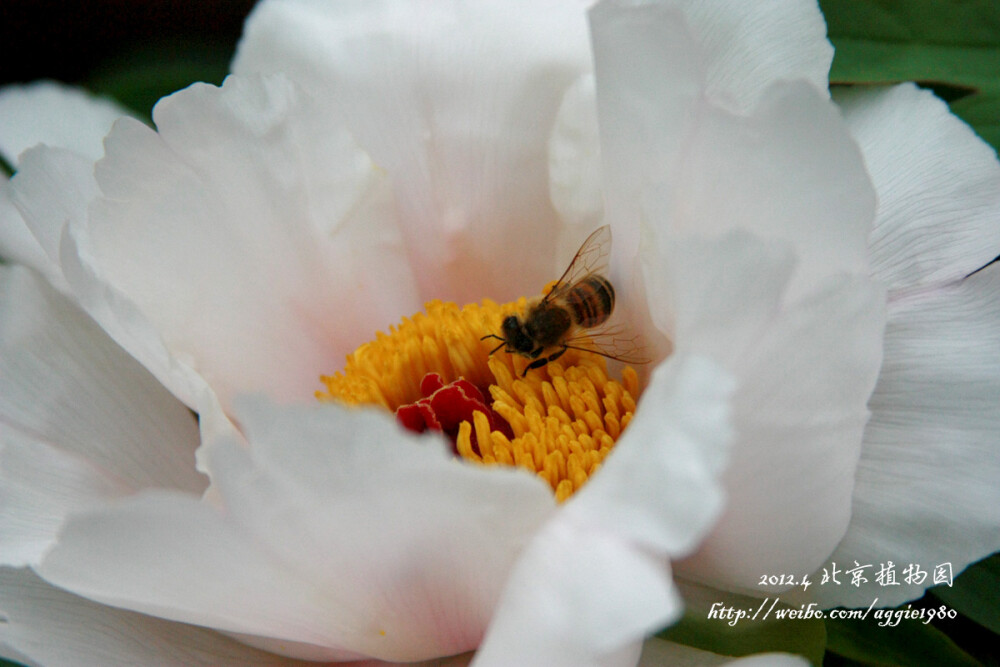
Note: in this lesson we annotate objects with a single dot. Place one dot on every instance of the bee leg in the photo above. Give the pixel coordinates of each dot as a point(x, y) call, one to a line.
point(558, 354)
point(538, 363)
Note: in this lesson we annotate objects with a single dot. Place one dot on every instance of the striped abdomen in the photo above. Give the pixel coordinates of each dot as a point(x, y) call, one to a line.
point(591, 301)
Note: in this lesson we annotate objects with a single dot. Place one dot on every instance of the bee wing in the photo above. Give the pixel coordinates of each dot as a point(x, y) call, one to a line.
point(592, 257)
point(615, 342)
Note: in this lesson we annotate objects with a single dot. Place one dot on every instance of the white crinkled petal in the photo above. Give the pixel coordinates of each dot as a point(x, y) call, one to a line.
point(58, 629)
point(926, 490)
point(938, 186)
point(358, 537)
point(456, 100)
point(67, 384)
point(786, 169)
point(804, 369)
point(241, 232)
point(596, 580)
point(56, 115)
point(733, 50)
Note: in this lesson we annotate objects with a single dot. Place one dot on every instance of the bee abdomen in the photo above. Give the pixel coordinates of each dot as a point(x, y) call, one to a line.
point(591, 300)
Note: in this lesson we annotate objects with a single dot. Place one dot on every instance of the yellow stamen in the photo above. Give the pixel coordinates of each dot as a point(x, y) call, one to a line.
point(565, 417)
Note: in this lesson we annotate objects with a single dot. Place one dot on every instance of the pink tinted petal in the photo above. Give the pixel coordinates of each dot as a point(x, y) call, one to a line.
point(938, 186)
point(47, 626)
point(67, 384)
point(456, 100)
point(56, 115)
point(926, 490)
point(790, 173)
point(174, 557)
point(358, 538)
point(240, 232)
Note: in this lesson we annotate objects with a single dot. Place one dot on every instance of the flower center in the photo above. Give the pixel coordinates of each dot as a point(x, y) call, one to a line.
point(435, 372)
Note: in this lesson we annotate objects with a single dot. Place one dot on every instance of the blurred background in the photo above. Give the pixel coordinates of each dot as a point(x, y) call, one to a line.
point(135, 50)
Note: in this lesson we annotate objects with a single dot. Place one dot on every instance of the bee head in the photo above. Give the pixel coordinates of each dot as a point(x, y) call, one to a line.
point(517, 339)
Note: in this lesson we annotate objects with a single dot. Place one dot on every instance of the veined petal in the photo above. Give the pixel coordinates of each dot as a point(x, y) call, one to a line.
point(242, 232)
point(938, 186)
point(66, 383)
point(652, 499)
point(56, 115)
point(39, 486)
point(47, 626)
point(318, 492)
point(456, 100)
point(745, 47)
point(82, 422)
point(926, 490)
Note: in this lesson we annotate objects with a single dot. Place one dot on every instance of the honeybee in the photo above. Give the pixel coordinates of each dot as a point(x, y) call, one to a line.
point(582, 299)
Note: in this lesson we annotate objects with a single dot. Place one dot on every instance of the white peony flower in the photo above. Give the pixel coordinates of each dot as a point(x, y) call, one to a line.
point(798, 269)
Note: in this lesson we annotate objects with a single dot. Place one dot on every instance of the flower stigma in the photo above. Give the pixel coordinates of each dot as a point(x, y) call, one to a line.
point(435, 372)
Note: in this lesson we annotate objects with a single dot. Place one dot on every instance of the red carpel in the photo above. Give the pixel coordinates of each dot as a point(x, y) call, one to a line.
point(445, 406)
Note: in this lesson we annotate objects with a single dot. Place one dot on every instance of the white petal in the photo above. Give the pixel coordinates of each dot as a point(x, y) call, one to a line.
point(575, 157)
point(51, 187)
point(56, 115)
point(805, 370)
point(66, 383)
point(596, 579)
point(661, 488)
point(938, 186)
point(926, 489)
point(39, 486)
point(748, 46)
point(790, 173)
point(17, 243)
point(240, 232)
point(786, 169)
point(456, 100)
point(579, 598)
point(355, 537)
point(656, 653)
point(124, 322)
point(57, 629)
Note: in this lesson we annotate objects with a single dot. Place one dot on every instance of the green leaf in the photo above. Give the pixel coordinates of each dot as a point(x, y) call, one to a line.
point(937, 43)
point(802, 637)
point(976, 593)
point(911, 642)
